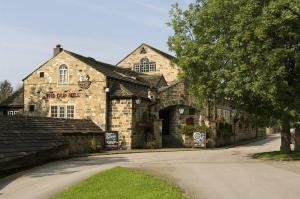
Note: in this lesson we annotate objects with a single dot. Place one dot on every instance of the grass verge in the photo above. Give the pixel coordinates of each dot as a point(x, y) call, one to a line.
point(122, 183)
point(276, 155)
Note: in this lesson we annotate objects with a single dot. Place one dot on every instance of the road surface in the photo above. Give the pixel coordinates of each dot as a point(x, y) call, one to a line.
point(212, 174)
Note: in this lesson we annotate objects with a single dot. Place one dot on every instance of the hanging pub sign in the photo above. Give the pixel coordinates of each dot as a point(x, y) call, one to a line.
point(84, 81)
point(199, 139)
point(111, 140)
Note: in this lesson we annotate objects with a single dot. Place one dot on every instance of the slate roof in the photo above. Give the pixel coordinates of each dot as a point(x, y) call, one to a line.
point(162, 89)
point(166, 55)
point(123, 89)
point(153, 79)
point(15, 144)
point(112, 71)
point(57, 125)
point(14, 100)
point(127, 77)
point(23, 137)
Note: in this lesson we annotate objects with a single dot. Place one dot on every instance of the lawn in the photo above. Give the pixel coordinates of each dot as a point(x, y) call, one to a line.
point(122, 183)
point(276, 155)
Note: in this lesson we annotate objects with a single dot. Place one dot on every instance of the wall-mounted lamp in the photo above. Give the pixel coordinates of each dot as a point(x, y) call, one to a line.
point(107, 89)
point(181, 110)
point(138, 101)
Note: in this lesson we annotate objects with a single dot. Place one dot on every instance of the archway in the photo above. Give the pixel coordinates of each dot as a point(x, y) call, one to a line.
point(173, 118)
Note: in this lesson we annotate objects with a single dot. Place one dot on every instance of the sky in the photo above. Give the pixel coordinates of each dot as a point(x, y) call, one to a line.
point(106, 30)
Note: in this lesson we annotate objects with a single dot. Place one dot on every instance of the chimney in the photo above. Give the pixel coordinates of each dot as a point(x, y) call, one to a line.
point(57, 50)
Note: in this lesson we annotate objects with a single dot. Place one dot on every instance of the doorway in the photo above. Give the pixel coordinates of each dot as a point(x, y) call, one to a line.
point(165, 116)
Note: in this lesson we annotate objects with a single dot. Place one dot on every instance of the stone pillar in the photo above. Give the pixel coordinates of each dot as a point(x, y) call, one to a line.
point(158, 132)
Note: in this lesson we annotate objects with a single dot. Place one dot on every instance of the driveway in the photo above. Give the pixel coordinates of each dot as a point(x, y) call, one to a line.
point(221, 173)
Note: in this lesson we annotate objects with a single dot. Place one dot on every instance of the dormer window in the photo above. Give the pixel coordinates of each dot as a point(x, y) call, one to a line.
point(145, 66)
point(63, 74)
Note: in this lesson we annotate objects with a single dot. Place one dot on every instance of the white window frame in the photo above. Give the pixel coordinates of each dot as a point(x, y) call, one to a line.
point(12, 113)
point(70, 113)
point(64, 114)
point(62, 111)
point(63, 74)
point(145, 66)
point(52, 113)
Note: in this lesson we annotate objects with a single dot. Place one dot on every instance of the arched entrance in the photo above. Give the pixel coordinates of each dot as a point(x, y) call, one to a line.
point(173, 118)
point(175, 108)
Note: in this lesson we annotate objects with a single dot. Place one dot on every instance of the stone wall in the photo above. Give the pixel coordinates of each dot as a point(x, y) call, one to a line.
point(241, 134)
point(163, 65)
point(88, 103)
point(140, 124)
point(13, 166)
point(84, 143)
point(121, 120)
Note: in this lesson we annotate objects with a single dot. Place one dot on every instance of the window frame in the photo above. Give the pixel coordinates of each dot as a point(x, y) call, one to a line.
point(54, 113)
point(31, 107)
point(65, 114)
point(72, 113)
point(63, 68)
point(12, 113)
point(145, 66)
point(42, 74)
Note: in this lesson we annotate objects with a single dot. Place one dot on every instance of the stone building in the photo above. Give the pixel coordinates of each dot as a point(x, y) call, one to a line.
point(13, 105)
point(140, 97)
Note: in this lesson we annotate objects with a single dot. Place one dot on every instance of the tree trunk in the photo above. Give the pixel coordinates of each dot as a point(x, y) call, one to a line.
point(285, 137)
point(297, 141)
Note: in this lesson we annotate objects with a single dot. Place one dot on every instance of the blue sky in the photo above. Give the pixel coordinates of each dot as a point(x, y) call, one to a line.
point(105, 29)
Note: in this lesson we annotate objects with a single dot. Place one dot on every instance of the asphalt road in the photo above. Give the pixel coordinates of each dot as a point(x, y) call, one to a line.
point(220, 173)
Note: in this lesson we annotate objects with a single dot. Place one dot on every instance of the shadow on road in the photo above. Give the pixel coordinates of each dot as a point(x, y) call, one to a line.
point(262, 142)
point(68, 166)
point(61, 167)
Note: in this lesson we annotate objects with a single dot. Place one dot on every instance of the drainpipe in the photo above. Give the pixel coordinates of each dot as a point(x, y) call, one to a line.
point(107, 105)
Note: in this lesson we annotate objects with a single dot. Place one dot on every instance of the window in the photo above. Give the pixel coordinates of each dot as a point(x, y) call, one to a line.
point(31, 108)
point(144, 66)
point(63, 74)
point(62, 111)
point(70, 111)
point(11, 113)
point(141, 114)
point(136, 67)
point(152, 66)
point(42, 74)
point(53, 111)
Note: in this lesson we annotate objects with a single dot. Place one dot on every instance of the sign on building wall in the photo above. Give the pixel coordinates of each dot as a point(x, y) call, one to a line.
point(111, 140)
point(199, 139)
point(62, 95)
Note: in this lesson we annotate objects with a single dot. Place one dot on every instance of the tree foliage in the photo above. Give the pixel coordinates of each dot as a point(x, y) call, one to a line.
point(247, 51)
point(5, 89)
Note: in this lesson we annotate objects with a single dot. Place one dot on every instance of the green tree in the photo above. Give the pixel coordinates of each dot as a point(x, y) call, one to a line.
point(247, 51)
point(5, 90)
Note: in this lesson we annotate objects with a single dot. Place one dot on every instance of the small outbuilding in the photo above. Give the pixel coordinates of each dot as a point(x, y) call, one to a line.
point(27, 141)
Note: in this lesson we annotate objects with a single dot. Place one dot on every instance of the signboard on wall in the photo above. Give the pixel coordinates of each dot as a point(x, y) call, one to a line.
point(62, 95)
point(199, 139)
point(111, 140)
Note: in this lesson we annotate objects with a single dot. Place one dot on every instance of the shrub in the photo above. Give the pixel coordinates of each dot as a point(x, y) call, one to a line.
point(224, 129)
point(190, 129)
